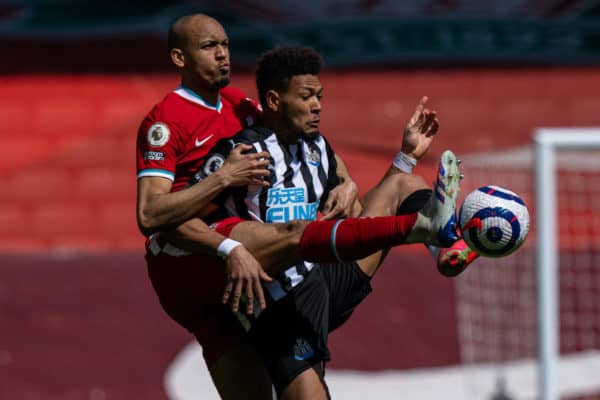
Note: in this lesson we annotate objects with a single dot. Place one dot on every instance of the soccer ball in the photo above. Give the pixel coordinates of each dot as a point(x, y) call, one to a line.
point(494, 221)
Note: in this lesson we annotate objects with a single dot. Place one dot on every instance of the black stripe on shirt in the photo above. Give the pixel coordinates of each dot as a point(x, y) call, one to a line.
point(288, 175)
point(306, 175)
point(262, 197)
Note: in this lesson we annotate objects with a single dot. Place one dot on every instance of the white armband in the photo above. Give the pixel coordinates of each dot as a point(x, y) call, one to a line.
point(226, 247)
point(404, 163)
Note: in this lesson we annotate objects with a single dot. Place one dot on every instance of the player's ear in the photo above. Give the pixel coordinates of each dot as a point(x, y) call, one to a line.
point(273, 100)
point(177, 57)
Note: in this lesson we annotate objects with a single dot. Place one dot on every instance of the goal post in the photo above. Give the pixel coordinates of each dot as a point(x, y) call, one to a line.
point(533, 317)
point(547, 142)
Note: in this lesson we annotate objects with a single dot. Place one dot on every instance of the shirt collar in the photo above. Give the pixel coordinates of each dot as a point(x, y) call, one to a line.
point(194, 97)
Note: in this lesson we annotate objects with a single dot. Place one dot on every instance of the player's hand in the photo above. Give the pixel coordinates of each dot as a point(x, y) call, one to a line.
point(340, 201)
point(420, 131)
point(241, 169)
point(244, 276)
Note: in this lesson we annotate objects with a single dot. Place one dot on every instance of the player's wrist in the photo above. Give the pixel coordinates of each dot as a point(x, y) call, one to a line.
point(404, 162)
point(352, 187)
point(223, 179)
point(226, 247)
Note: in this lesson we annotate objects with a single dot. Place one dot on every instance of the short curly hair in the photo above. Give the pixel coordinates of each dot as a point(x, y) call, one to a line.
point(278, 66)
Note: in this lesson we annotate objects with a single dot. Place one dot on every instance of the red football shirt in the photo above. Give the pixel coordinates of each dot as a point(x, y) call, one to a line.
point(176, 135)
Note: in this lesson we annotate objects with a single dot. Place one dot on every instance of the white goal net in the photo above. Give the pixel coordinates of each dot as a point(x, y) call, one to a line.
point(510, 315)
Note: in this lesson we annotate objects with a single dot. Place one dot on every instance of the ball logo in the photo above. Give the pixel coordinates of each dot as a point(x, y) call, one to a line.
point(494, 221)
point(484, 235)
point(158, 134)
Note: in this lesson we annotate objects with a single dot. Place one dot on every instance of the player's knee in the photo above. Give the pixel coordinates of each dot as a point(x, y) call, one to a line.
point(289, 233)
point(409, 183)
point(295, 227)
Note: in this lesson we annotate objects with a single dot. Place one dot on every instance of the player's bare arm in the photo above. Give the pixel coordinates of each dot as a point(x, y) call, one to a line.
point(159, 210)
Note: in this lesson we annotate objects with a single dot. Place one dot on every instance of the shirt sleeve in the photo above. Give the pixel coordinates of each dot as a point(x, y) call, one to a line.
point(157, 148)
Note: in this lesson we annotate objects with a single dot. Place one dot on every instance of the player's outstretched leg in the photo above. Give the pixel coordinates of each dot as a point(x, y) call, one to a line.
point(443, 205)
point(357, 238)
point(438, 219)
point(451, 260)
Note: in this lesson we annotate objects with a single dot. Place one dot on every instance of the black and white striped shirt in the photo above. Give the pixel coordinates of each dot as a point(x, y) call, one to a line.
point(302, 175)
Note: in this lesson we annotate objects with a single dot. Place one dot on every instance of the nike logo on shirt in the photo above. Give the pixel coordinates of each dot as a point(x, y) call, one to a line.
point(201, 142)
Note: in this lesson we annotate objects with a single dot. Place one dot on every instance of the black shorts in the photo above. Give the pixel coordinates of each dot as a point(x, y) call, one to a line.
point(291, 334)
